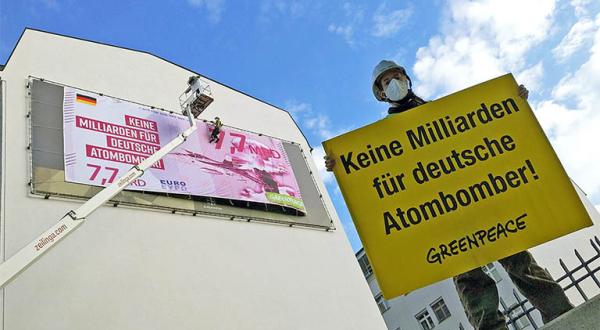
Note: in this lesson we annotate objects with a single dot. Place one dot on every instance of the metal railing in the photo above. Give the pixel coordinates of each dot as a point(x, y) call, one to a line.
point(584, 264)
point(525, 308)
point(512, 317)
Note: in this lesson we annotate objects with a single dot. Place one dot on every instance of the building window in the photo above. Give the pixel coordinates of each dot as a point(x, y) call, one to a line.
point(425, 320)
point(365, 265)
point(382, 303)
point(492, 271)
point(440, 309)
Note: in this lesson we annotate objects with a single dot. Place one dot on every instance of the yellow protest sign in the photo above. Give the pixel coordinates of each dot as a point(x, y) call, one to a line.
point(453, 184)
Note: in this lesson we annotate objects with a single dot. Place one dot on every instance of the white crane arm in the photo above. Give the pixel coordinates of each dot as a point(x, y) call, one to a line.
point(193, 101)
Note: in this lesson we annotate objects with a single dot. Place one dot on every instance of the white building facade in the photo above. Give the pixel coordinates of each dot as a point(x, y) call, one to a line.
point(140, 268)
point(437, 306)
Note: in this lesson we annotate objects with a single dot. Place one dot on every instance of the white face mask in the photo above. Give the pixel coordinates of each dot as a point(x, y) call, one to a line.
point(396, 90)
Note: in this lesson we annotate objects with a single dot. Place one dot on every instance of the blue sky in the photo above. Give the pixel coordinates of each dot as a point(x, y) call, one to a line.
point(314, 58)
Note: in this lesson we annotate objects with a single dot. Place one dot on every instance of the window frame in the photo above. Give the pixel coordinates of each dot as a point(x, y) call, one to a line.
point(443, 308)
point(492, 271)
point(426, 317)
point(365, 265)
point(381, 301)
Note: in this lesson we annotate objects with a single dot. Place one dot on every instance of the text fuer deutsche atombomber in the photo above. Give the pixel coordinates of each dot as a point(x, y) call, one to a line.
point(390, 184)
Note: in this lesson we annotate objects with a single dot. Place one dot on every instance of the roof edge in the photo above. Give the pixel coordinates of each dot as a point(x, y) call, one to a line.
point(154, 55)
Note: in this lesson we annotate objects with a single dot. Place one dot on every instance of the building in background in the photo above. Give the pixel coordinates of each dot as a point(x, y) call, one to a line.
point(437, 306)
point(160, 261)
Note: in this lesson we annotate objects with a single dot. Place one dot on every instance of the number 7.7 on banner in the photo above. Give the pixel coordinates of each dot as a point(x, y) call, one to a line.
point(108, 174)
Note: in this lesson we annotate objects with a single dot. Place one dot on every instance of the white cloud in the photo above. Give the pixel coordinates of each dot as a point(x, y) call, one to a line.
point(297, 109)
point(288, 9)
point(532, 77)
point(580, 6)
point(388, 23)
point(555, 118)
point(353, 12)
point(481, 40)
point(39, 8)
point(384, 23)
point(454, 62)
point(484, 39)
point(269, 6)
point(51, 4)
point(572, 120)
point(573, 133)
point(580, 34)
point(354, 15)
point(317, 124)
point(318, 153)
point(213, 7)
point(346, 31)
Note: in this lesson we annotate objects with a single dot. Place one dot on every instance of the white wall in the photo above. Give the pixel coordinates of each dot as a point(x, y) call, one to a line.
point(403, 309)
point(547, 254)
point(139, 269)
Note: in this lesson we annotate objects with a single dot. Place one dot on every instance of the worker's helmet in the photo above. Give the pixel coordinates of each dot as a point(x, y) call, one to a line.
point(381, 68)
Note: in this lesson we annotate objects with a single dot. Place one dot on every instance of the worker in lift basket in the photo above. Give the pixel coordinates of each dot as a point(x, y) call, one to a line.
point(477, 291)
point(214, 136)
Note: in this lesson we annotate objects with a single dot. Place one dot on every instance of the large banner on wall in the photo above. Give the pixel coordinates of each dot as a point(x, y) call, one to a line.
point(452, 185)
point(104, 137)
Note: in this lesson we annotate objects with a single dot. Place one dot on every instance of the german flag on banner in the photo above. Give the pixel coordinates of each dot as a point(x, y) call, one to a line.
point(86, 99)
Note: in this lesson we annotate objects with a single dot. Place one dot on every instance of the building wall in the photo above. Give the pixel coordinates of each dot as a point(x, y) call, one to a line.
point(402, 310)
point(128, 268)
point(419, 300)
point(548, 254)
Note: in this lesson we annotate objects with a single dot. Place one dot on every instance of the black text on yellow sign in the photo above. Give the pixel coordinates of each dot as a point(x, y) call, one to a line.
point(453, 184)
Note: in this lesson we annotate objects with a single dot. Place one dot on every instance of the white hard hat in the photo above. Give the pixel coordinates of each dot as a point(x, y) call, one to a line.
point(380, 69)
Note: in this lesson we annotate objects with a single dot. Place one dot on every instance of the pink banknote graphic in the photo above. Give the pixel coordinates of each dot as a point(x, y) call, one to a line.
point(104, 138)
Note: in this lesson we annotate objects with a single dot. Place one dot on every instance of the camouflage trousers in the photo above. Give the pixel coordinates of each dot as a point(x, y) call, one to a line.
point(479, 295)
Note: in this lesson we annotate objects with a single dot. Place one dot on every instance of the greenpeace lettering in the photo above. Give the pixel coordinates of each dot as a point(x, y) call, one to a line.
point(475, 240)
point(453, 184)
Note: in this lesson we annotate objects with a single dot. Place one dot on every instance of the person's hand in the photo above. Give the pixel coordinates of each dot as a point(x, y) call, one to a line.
point(523, 92)
point(329, 163)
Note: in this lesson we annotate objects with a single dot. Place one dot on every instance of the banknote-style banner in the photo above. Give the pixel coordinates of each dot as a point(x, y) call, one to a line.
point(104, 137)
point(452, 185)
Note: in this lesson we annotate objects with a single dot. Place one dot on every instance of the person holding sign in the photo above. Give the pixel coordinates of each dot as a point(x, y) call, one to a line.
point(477, 291)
